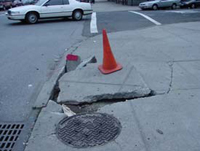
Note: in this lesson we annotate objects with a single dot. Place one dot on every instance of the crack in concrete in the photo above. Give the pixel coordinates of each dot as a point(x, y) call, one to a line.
point(71, 81)
point(91, 107)
point(126, 78)
point(143, 137)
point(171, 76)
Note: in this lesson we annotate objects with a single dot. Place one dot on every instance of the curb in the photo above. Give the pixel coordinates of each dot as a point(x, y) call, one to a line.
point(48, 88)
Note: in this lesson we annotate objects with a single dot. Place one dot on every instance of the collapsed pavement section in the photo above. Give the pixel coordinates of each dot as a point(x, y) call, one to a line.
point(88, 84)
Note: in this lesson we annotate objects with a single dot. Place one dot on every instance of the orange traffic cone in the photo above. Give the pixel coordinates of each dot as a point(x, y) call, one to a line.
point(109, 63)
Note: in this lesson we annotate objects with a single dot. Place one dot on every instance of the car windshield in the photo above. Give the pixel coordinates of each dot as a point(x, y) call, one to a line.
point(40, 2)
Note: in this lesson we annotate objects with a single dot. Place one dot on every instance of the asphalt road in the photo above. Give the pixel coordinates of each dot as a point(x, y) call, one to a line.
point(126, 20)
point(29, 53)
point(28, 56)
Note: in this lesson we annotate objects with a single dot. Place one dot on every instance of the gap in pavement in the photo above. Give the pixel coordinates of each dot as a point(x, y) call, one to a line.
point(93, 107)
point(85, 107)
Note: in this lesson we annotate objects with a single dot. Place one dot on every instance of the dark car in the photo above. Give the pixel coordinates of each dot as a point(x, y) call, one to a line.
point(2, 7)
point(6, 4)
point(190, 3)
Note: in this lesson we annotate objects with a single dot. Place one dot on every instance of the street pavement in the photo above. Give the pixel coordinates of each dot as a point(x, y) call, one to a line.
point(167, 59)
point(29, 56)
point(122, 20)
point(163, 59)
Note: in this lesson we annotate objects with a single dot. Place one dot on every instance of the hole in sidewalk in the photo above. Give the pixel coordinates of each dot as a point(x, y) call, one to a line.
point(55, 93)
point(93, 107)
point(90, 107)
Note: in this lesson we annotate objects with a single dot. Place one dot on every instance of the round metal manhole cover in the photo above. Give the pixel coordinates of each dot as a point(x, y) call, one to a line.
point(88, 130)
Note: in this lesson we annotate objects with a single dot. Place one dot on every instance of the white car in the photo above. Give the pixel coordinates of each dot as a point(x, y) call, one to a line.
point(50, 9)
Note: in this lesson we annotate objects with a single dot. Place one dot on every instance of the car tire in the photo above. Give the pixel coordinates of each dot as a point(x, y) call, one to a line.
point(193, 6)
point(174, 6)
point(155, 7)
point(31, 18)
point(77, 15)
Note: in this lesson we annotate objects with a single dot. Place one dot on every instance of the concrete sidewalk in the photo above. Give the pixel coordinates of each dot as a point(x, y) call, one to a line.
point(164, 60)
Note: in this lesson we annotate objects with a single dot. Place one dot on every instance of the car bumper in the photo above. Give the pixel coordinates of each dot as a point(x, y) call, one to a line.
point(88, 12)
point(15, 17)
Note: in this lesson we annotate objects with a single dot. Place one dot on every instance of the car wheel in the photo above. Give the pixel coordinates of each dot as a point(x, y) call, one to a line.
point(155, 7)
point(31, 18)
point(193, 6)
point(77, 15)
point(174, 6)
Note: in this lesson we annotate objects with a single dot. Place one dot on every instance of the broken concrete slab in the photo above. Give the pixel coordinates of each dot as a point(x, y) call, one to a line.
point(91, 59)
point(89, 85)
point(170, 122)
point(52, 107)
point(72, 61)
point(91, 74)
point(75, 93)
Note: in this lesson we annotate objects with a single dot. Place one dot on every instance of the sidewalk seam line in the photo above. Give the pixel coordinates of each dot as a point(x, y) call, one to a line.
point(98, 83)
point(126, 78)
point(139, 127)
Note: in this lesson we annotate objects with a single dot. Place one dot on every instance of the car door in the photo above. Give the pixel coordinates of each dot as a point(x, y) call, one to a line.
point(52, 8)
point(164, 3)
point(67, 8)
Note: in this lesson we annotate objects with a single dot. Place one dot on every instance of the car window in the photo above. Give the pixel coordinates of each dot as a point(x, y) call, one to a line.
point(65, 2)
point(39, 2)
point(54, 2)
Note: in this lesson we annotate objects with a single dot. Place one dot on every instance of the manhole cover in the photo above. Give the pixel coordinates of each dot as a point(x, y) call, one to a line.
point(87, 130)
point(9, 134)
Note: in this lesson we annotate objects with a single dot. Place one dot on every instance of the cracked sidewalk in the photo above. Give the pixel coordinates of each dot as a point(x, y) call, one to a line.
point(154, 60)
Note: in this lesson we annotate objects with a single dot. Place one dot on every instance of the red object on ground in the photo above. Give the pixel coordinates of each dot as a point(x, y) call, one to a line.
point(109, 63)
point(71, 57)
